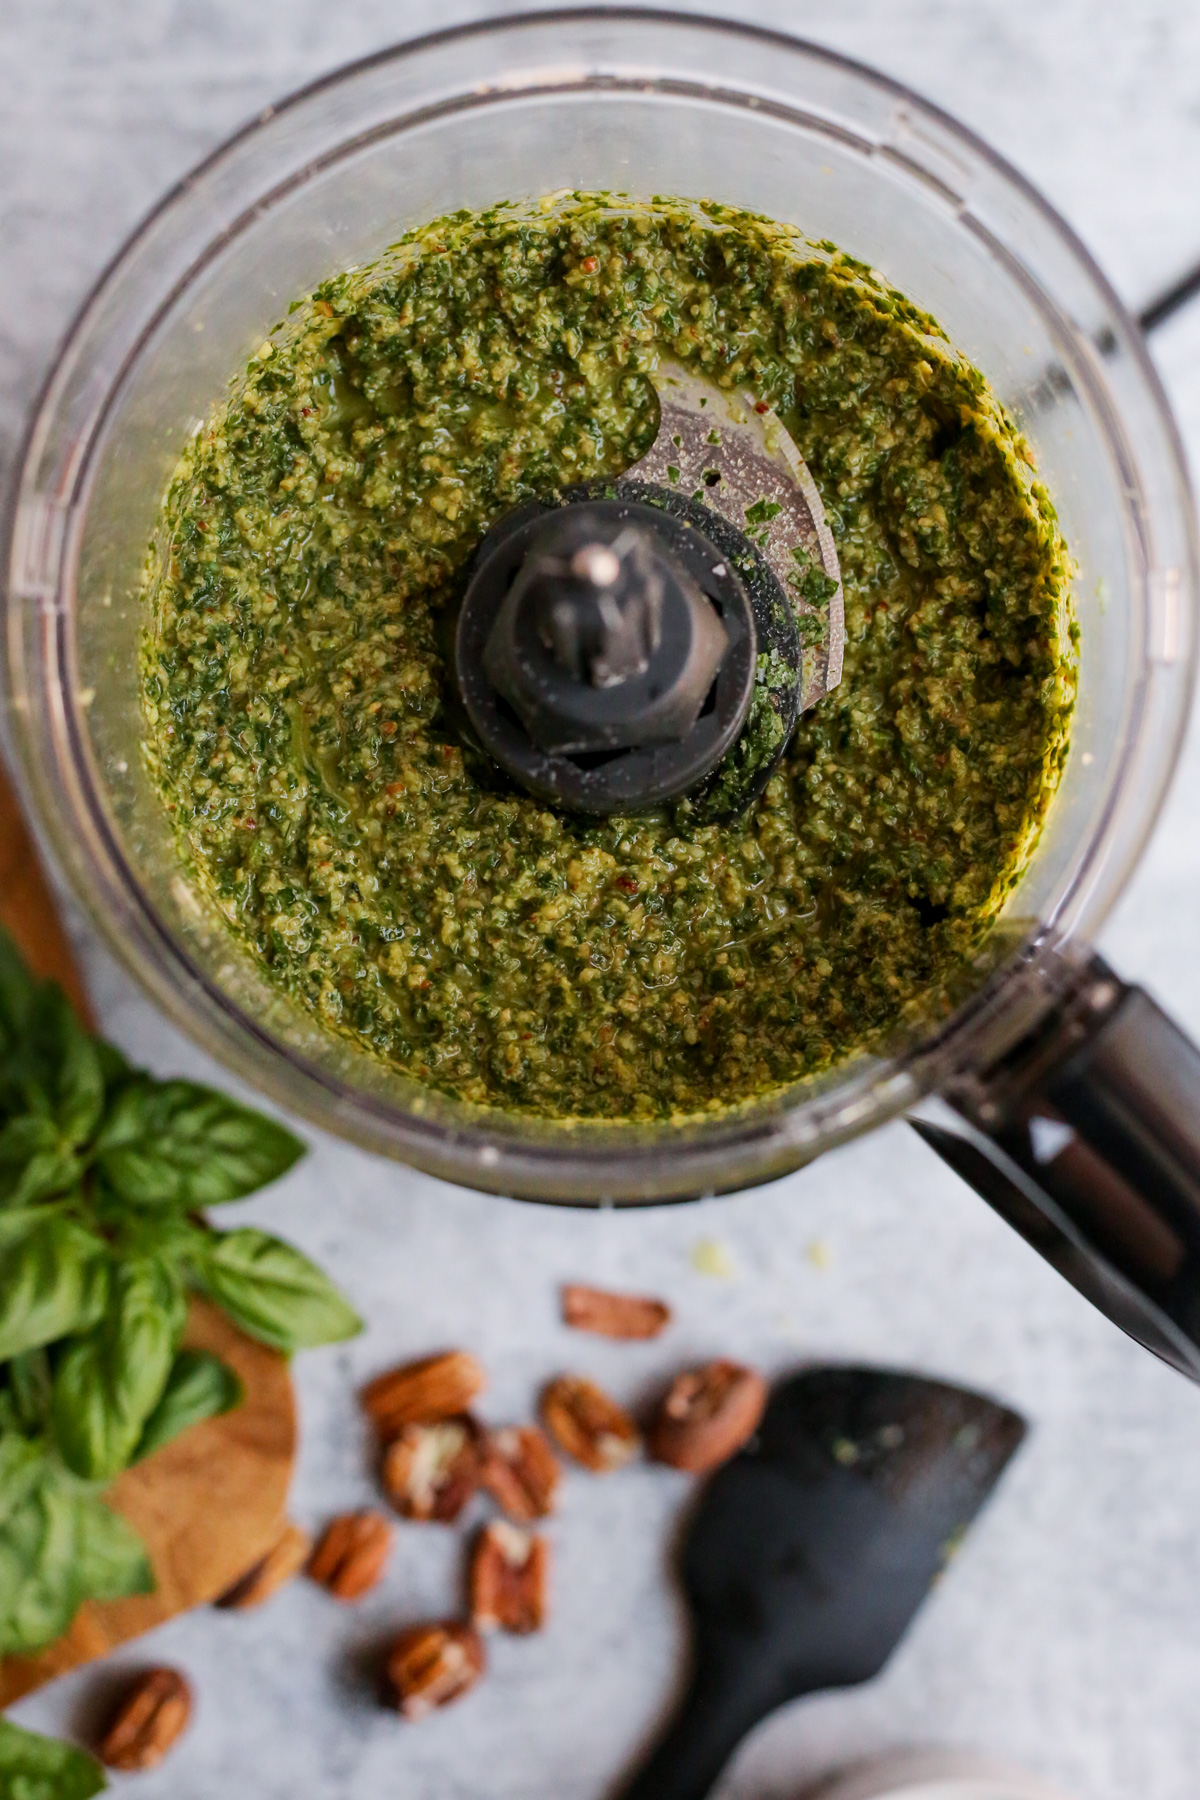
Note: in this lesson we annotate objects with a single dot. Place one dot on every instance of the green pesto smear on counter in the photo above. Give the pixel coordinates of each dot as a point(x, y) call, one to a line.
point(315, 533)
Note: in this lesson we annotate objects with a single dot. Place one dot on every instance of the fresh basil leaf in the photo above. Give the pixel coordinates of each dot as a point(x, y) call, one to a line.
point(22, 1467)
point(108, 1382)
point(200, 1386)
point(58, 1547)
point(30, 1385)
point(33, 1767)
point(115, 1066)
point(272, 1291)
point(39, 1586)
point(56, 1067)
point(17, 1222)
point(176, 1144)
point(35, 1161)
point(111, 1560)
point(18, 990)
point(53, 1280)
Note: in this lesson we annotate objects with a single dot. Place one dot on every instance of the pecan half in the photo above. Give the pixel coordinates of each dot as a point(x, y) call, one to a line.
point(286, 1558)
point(509, 1579)
point(706, 1415)
point(589, 1425)
point(431, 1665)
point(421, 1393)
point(613, 1315)
point(350, 1557)
point(151, 1715)
point(431, 1471)
point(520, 1471)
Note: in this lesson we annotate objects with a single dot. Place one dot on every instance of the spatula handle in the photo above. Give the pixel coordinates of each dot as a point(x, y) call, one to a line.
point(731, 1690)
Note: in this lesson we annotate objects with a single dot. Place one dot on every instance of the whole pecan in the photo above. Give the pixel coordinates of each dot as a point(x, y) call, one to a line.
point(613, 1315)
point(421, 1393)
point(431, 1665)
point(520, 1471)
point(285, 1558)
point(706, 1415)
point(151, 1715)
point(431, 1471)
point(509, 1579)
point(350, 1557)
point(589, 1425)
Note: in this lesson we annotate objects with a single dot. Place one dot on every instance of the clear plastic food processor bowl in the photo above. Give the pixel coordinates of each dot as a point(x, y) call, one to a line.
point(642, 103)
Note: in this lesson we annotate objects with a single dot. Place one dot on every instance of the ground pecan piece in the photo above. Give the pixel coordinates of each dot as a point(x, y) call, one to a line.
point(588, 1425)
point(151, 1715)
point(613, 1315)
point(431, 1471)
point(421, 1393)
point(286, 1558)
point(520, 1471)
point(509, 1579)
point(351, 1554)
point(431, 1665)
point(706, 1415)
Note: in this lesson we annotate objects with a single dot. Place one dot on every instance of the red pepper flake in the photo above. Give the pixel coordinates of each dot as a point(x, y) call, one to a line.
point(306, 412)
point(627, 882)
point(394, 787)
point(760, 406)
point(388, 728)
point(590, 264)
point(248, 824)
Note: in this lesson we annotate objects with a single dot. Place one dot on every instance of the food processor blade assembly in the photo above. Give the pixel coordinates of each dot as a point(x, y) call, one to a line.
point(731, 451)
point(654, 639)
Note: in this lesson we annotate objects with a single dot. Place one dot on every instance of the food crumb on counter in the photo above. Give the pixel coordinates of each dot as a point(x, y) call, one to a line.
point(713, 1258)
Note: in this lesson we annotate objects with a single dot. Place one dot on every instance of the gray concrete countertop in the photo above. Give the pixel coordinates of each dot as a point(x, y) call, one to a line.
point(1067, 1635)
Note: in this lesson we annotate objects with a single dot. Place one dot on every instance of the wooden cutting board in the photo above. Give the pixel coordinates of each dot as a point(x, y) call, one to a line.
point(212, 1503)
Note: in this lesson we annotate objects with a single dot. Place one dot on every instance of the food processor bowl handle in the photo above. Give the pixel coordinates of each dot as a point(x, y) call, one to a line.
point(1086, 1137)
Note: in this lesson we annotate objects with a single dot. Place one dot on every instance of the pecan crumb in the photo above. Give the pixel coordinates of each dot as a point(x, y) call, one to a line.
point(707, 1414)
point(589, 1425)
point(350, 1557)
point(613, 1315)
point(151, 1715)
point(431, 1665)
point(521, 1472)
point(423, 1392)
point(509, 1579)
point(431, 1471)
point(285, 1559)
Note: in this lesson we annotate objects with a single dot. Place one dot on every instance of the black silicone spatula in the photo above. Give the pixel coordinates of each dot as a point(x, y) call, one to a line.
point(810, 1552)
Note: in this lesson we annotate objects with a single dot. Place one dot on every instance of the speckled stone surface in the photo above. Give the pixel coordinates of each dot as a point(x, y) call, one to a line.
point(1067, 1635)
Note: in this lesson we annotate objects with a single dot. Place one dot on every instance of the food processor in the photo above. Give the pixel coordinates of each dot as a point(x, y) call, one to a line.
point(1066, 1098)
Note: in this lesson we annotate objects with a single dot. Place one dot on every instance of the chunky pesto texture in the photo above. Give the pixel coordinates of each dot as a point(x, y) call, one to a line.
point(310, 544)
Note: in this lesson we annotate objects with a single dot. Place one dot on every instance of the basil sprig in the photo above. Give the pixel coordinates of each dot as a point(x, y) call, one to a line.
point(103, 1175)
point(41, 1768)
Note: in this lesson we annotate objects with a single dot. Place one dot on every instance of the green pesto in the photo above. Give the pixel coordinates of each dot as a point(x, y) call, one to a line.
point(294, 686)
